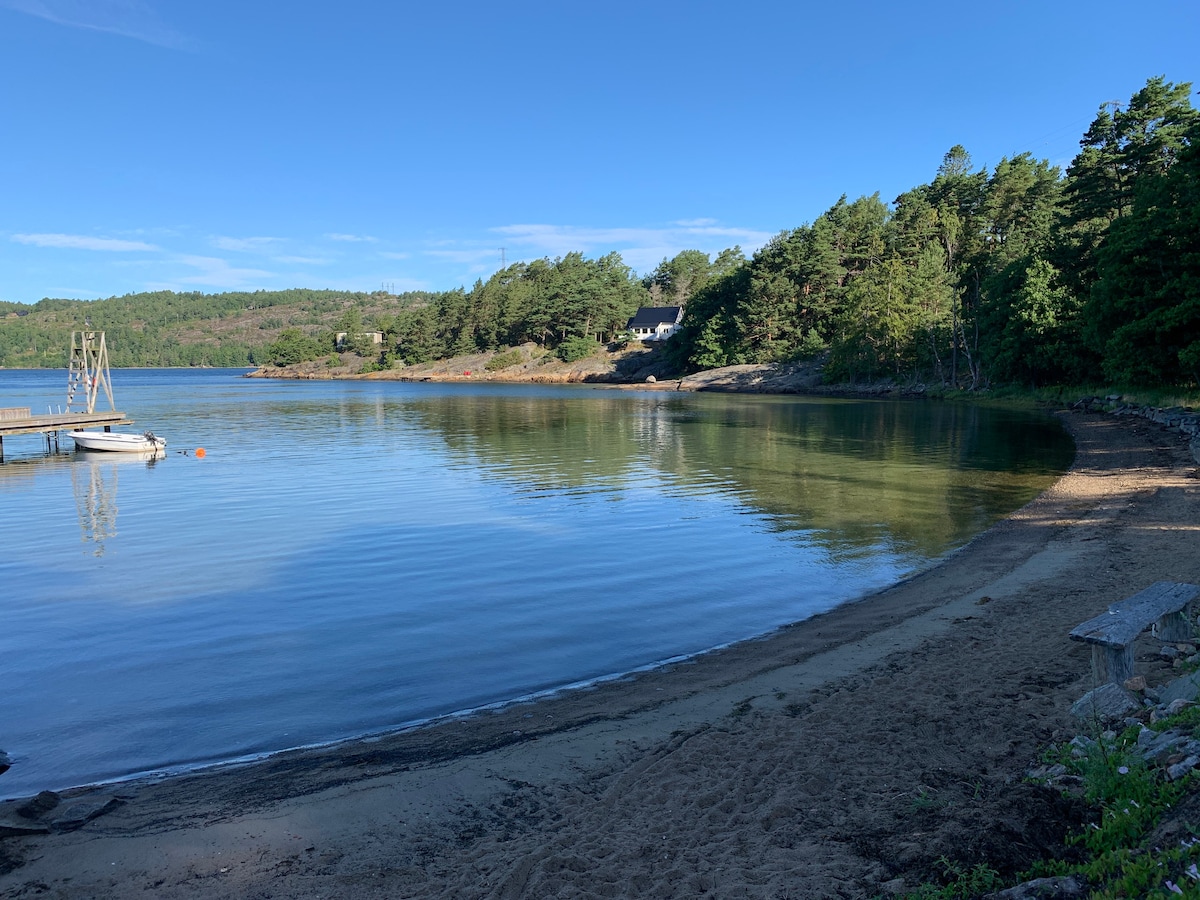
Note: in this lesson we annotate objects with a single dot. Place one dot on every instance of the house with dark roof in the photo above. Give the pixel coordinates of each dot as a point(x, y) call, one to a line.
point(655, 323)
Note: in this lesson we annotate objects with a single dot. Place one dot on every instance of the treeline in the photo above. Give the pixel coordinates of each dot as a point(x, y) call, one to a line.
point(571, 303)
point(165, 328)
point(1021, 274)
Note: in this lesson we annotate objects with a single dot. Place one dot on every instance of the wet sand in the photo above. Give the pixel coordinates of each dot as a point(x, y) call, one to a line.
point(840, 757)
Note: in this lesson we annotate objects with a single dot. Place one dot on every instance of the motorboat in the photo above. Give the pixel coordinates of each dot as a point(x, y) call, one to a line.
point(118, 441)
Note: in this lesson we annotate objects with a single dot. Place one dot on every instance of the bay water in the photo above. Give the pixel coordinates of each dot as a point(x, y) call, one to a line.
point(351, 557)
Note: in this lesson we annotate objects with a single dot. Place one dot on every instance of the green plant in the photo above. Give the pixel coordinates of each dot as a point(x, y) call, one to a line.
point(1130, 798)
point(959, 882)
point(504, 360)
point(576, 348)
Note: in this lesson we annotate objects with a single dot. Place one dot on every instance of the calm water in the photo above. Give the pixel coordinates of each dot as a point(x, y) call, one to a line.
point(350, 557)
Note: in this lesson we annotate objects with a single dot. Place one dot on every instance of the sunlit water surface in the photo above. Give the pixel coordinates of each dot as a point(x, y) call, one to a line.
point(352, 557)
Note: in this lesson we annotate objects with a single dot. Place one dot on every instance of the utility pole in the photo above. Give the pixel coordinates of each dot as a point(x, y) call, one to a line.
point(503, 259)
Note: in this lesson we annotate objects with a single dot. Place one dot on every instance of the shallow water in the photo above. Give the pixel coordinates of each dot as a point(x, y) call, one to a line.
point(350, 557)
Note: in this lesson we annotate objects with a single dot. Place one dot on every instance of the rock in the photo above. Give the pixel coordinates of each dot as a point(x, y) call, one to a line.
point(39, 805)
point(5, 762)
point(1175, 707)
point(1107, 703)
point(1186, 687)
point(650, 379)
point(1160, 746)
point(76, 815)
point(1060, 887)
point(1137, 683)
point(1166, 651)
point(1182, 769)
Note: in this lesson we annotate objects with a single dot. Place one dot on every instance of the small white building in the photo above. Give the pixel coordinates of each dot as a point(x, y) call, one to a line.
point(375, 337)
point(655, 323)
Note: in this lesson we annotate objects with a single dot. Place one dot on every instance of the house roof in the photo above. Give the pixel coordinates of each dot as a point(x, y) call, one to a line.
point(653, 316)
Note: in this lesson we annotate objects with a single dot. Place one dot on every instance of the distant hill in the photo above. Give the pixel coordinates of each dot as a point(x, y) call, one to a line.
point(164, 328)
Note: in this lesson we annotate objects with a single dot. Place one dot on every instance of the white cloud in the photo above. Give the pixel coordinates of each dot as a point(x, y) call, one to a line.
point(641, 248)
point(216, 272)
point(128, 18)
point(302, 260)
point(243, 244)
point(466, 256)
point(81, 242)
point(386, 254)
point(356, 238)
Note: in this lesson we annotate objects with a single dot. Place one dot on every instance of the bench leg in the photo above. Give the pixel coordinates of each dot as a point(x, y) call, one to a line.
point(1176, 626)
point(1113, 664)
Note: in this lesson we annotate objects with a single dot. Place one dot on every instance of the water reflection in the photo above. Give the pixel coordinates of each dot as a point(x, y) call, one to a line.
point(850, 475)
point(94, 477)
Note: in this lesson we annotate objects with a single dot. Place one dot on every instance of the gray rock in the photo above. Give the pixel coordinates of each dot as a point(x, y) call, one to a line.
point(1107, 703)
point(1186, 687)
point(1061, 887)
point(1181, 769)
point(1161, 746)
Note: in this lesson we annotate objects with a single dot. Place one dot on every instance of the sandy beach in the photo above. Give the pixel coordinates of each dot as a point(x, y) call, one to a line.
point(840, 757)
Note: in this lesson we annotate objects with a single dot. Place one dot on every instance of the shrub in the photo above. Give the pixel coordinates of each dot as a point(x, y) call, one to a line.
point(504, 360)
point(576, 348)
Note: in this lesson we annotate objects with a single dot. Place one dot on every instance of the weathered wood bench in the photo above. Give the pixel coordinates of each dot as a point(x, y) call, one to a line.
point(1112, 633)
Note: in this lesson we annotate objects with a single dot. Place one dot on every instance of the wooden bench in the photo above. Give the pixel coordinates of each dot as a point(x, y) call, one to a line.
point(1112, 633)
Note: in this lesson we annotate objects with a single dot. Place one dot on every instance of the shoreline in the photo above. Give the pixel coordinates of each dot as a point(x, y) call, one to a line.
point(827, 758)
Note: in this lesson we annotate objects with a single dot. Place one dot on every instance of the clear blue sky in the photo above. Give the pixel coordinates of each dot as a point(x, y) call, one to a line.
point(218, 145)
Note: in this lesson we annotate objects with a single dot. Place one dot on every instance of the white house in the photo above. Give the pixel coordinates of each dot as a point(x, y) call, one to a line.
point(375, 337)
point(655, 323)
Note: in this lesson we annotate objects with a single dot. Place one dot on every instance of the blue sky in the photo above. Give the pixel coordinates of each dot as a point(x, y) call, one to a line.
point(216, 145)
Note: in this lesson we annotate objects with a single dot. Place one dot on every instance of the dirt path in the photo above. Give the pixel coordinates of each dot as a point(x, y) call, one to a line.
point(837, 758)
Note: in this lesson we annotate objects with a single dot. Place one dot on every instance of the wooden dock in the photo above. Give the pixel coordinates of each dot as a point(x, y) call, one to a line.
point(19, 421)
point(87, 377)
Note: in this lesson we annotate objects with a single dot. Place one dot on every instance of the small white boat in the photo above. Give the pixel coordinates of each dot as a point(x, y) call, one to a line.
point(113, 440)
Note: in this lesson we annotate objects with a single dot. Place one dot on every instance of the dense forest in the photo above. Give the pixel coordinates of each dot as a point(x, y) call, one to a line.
point(1022, 274)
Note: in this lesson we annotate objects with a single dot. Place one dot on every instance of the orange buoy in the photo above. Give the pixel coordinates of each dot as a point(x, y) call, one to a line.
point(200, 452)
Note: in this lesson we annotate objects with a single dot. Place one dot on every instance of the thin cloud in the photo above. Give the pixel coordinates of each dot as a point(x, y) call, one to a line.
point(128, 18)
point(243, 245)
point(356, 238)
point(641, 248)
point(217, 272)
point(465, 257)
point(302, 260)
point(81, 242)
